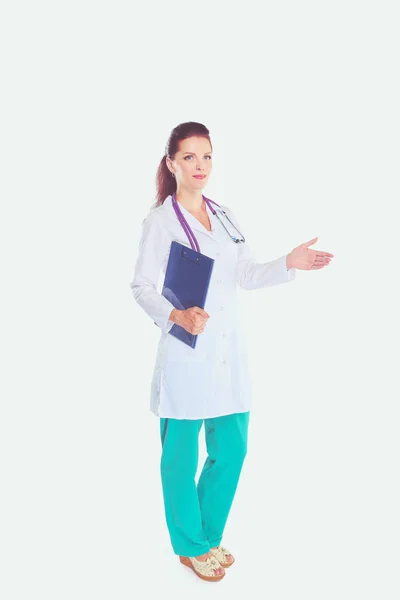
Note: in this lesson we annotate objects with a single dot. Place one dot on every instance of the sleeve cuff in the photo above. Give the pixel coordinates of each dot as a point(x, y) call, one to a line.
point(168, 326)
point(290, 273)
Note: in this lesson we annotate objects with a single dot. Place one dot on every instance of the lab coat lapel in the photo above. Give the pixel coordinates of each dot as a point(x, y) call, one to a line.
point(194, 223)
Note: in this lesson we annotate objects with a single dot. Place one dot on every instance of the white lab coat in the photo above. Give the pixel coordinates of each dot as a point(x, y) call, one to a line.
point(213, 379)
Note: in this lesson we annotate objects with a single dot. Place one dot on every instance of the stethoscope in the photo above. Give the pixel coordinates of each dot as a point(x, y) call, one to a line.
point(189, 232)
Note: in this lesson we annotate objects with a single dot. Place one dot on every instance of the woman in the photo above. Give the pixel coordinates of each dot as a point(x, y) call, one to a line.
point(209, 384)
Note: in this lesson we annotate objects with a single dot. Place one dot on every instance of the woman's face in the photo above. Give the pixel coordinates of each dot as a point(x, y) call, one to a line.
point(194, 157)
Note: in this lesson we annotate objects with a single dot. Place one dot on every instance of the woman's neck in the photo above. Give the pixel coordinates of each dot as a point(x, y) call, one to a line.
point(191, 200)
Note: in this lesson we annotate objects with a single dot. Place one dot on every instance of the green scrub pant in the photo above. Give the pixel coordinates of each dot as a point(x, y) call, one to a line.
point(196, 516)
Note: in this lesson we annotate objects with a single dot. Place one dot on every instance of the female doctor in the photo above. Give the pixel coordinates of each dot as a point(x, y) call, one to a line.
point(209, 384)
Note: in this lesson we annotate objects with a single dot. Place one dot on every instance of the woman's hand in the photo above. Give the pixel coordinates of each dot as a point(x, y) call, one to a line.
point(193, 320)
point(304, 258)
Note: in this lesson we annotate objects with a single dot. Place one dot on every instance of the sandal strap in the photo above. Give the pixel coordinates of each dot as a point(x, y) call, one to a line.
point(221, 553)
point(206, 567)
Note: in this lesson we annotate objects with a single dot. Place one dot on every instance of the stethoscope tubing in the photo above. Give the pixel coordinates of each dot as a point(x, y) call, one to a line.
point(189, 232)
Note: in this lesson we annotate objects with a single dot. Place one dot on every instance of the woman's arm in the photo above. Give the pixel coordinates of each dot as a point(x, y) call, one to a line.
point(251, 275)
point(153, 246)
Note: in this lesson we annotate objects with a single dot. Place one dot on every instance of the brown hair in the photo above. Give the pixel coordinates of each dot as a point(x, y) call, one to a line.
point(165, 181)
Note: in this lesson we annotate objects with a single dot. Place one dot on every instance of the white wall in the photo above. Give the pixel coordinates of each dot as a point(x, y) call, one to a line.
point(301, 100)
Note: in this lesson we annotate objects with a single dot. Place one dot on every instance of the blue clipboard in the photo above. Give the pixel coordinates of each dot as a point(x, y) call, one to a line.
point(186, 282)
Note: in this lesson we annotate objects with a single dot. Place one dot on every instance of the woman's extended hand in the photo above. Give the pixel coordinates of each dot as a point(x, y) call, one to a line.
point(192, 319)
point(303, 258)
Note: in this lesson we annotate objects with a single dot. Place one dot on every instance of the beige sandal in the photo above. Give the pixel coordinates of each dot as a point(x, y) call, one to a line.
point(205, 569)
point(221, 554)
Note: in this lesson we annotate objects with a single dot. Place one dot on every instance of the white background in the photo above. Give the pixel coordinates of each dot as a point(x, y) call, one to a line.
point(302, 103)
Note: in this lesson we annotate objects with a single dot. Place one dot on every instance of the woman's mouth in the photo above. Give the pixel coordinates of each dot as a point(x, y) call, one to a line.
point(199, 176)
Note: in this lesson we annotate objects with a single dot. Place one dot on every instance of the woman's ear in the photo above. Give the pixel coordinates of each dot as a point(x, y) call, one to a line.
point(169, 164)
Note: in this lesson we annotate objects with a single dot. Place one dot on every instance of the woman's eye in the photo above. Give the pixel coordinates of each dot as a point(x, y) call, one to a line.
point(192, 157)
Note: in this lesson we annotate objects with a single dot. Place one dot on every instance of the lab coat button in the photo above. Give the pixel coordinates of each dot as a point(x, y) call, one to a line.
point(218, 253)
point(224, 361)
point(222, 308)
